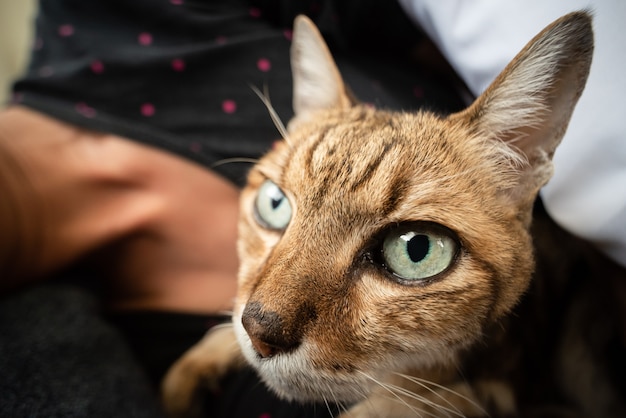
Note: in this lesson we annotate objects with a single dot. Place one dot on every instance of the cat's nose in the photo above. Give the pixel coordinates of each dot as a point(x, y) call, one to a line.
point(264, 349)
point(270, 333)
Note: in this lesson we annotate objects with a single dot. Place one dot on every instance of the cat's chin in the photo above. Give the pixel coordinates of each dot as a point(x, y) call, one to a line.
point(308, 387)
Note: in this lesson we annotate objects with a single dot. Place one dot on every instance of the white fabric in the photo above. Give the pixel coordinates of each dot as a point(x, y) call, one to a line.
point(587, 194)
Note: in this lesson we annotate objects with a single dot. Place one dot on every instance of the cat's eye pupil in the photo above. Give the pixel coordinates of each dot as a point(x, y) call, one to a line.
point(276, 201)
point(418, 246)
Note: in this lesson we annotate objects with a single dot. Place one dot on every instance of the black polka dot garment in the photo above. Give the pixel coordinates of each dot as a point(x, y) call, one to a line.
point(170, 73)
point(179, 74)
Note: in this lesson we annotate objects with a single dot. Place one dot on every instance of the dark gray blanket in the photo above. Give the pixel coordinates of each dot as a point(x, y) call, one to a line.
point(60, 358)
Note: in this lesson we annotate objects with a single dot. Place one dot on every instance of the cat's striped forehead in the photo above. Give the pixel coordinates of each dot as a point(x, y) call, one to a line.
point(371, 159)
point(346, 159)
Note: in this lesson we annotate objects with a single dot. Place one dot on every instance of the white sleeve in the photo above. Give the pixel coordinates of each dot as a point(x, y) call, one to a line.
point(587, 194)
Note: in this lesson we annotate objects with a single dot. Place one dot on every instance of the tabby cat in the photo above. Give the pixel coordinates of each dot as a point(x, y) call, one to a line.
point(384, 254)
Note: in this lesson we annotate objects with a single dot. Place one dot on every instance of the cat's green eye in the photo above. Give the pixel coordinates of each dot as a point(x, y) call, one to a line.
point(419, 251)
point(272, 208)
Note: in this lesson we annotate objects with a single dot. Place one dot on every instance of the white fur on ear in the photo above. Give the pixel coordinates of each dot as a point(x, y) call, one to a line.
point(530, 103)
point(317, 83)
point(542, 85)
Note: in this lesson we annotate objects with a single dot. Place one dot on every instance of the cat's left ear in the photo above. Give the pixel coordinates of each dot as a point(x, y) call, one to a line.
point(317, 84)
point(529, 105)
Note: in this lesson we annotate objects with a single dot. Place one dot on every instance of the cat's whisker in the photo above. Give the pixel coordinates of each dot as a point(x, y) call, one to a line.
point(411, 395)
point(336, 402)
point(342, 408)
point(341, 405)
point(223, 325)
point(367, 399)
point(328, 408)
point(425, 384)
point(265, 98)
point(226, 312)
point(396, 391)
point(234, 160)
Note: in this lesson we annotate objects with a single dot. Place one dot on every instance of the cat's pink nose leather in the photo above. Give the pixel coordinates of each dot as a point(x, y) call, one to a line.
point(263, 349)
point(258, 337)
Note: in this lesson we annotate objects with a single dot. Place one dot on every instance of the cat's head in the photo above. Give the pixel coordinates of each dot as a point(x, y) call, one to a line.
point(373, 241)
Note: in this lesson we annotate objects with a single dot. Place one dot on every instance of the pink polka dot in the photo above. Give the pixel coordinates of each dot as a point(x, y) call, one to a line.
point(195, 146)
point(147, 109)
point(418, 92)
point(176, 2)
point(288, 34)
point(229, 106)
point(265, 415)
point(85, 110)
point(221, 40)
point(145, 38)
point(66, 30)
point(97, 67)
point(38, 44)
point(264, 64)
point(255, 12)
point(178, 65)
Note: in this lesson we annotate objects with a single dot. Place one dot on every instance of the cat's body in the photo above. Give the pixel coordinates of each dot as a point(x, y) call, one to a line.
point(560, 350)
point(382, 253)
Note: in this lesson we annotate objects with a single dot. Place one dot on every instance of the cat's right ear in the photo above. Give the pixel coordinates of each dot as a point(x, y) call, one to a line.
point(317, 84)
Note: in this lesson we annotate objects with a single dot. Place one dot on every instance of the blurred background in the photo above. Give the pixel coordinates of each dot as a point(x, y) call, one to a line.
point(16, 24)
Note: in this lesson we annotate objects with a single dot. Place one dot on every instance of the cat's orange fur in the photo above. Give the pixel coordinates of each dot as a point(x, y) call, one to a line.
point(317, 314)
